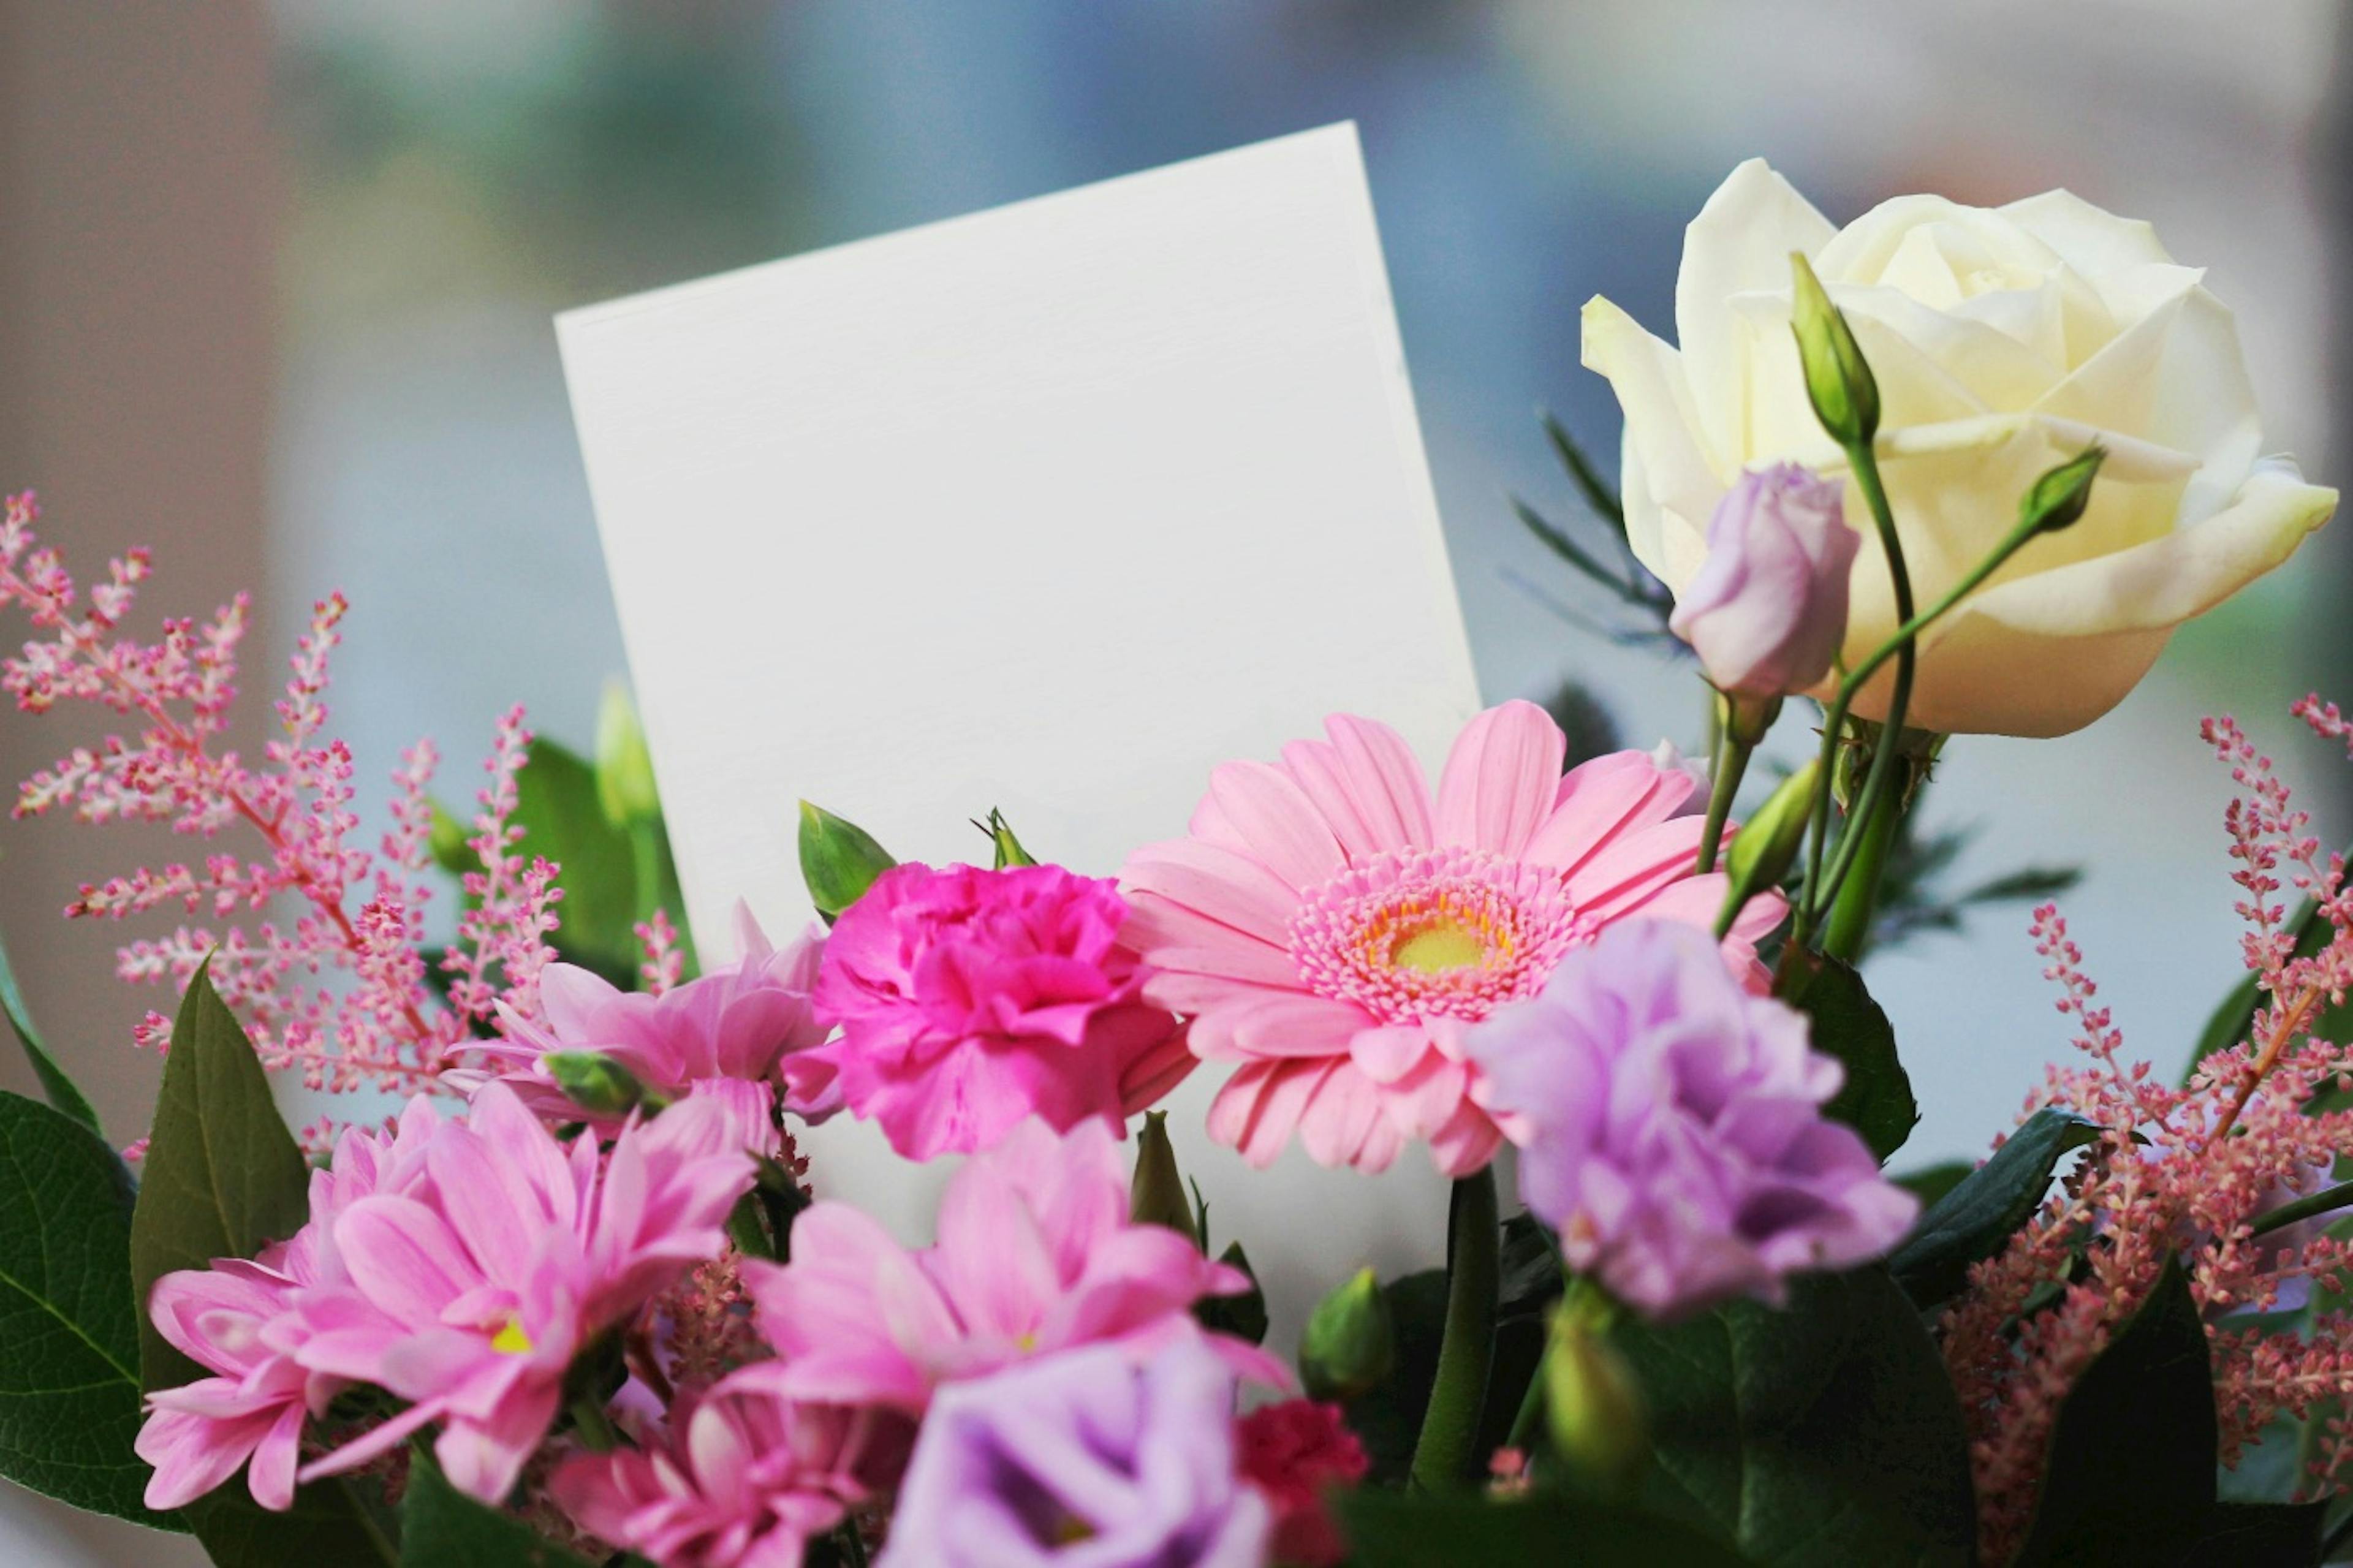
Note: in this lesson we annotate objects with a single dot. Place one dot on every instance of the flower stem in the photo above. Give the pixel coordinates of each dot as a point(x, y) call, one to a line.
point(1458, 1395)
point(1849, 929)
point(596, 1431)
point(1731, 762)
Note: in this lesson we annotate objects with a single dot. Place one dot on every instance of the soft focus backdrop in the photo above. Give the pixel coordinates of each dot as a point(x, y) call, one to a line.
point(275, 289)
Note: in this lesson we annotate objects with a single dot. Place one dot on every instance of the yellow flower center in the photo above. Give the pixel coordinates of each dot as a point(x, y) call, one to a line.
point(1440, 948)
point(511, 1339)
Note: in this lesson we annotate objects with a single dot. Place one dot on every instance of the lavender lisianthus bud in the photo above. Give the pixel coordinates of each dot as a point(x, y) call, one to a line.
point(1767, 611)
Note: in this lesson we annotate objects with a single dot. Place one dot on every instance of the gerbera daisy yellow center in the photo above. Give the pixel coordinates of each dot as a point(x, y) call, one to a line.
point(511, 1339)
point(1434, 933)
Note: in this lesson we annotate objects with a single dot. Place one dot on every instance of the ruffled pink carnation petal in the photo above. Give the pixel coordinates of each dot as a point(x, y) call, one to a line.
point(968, 1000)
point(1333, 926)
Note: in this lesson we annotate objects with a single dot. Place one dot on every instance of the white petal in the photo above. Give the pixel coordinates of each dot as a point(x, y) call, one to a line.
point(2092, 239)
point(1661, 426)
point(1740, 242)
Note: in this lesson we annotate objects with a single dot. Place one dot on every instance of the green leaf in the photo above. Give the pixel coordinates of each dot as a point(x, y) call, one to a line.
point(1242, 1316)
point(69, 1335)
point(1414, 1530)
point(1929, 1183)
point(1876, 1098)
point(2234, 1015)
point(223, 1176)
point(61, 1089)
point(562, 814)
point(1971, 1222)
point(2130, 1474)
point(1387, 1420)
point(441, 1527)
point(1825, 1434)
point(2259, 1535)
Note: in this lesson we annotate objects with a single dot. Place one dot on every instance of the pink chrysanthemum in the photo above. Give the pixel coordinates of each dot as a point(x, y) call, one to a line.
point(469, 1293)
point(970, 999)
point(741, 1022)
point(747, 1478)
point(1334, 928)
point(1036, 1253)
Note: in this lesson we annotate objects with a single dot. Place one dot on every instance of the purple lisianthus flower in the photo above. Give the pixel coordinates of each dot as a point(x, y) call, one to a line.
point(1083, 1458)
point(1767, 610)
point(1670, 1126)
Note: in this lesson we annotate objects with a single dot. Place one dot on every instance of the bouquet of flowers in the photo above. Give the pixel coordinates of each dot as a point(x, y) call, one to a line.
point(557, 1285)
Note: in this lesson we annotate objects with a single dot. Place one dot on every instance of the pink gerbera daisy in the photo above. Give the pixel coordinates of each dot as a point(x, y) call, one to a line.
point(1336, 928)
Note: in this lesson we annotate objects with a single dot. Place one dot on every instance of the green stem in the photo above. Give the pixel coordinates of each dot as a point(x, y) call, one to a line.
point(1731, 762)
point(1817, 890)
point(1849, 930)
point(1458, 1394)
point(595, 1430)
point(2322, 1202)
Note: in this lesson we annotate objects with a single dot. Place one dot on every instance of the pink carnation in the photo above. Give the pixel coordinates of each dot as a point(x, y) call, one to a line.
point(969, 999)
point(1297, 1453)
point(740, 1022)
point(1036, 1253)
point(470, 1293)
point(238, 1319)
point(745, 1477)
point(1334, 929)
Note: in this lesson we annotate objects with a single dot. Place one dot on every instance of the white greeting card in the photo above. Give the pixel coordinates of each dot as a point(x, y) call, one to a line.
point(1050, 509)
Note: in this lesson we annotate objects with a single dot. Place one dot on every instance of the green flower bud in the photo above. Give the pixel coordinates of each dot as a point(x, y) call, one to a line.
point(1242, 1316)
point(594, 1082)
point(1593, 1407)
point(1009, 849)
point(1766, 844)
point(625, 769)
point(1157, 1196)
point(1839, 382)
point(839, 861)
point(1349, 1346)
point(2057, 499)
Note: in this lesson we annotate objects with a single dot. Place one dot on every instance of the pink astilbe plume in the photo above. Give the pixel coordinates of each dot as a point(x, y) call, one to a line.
point(331, 977)
point(2183, 1172)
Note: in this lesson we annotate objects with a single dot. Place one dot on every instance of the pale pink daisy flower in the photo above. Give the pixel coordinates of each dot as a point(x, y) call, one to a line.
point(1334, 928)
point(1036, 1253)
point(470, 1293)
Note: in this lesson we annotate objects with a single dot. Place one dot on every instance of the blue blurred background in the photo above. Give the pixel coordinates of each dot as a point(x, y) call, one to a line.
point(275, 290)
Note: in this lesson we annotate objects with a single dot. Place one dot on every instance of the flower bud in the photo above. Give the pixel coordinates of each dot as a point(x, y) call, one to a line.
point(1766, 844)
point(1349, 1346)
point(1839, 382)
point(625, 769)
point(594, 1082)
point(1158, 1196)
point(1594, 1410)
point(839, 861)
point(1009, 849)
point(1767, 611)
point(2057, 499)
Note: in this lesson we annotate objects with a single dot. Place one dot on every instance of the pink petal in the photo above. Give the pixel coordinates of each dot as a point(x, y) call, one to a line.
point(1636, 866)
point(1260, 1105)
point(1233, 889)
point(1276, 820)
point(403, 1258)
point(1501, 779)
point(1384, 778)
point(1603, 798)
point(1277, 1024)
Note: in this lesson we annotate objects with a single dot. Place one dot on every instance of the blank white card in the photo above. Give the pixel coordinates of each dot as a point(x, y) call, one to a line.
point(1050, 508)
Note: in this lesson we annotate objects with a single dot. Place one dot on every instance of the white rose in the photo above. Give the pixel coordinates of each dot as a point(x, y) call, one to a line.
point(2004, 341)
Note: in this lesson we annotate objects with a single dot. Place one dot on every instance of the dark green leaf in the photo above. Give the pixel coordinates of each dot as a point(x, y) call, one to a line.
point(223, 1176)
point(1971, 1222)
point(1242, 1316)
point(440, 1526)
point(2130, 1474)
point(2259, 1535)
point(1600, 494)
point(1824, 1434)
point(1530, 1268)
point(1931, 1183)
point(1415, 1529)
point(69, 1336)
point(1876, 1098)
point(2234, 1016)
point(63, 1092)
point(562, 816)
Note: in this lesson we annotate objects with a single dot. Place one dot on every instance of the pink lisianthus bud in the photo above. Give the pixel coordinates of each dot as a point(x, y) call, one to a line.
point(970, 999)
point(1669, 1126)
point(1767, 611)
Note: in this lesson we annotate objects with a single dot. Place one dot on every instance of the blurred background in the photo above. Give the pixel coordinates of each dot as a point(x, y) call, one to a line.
point(276, 282)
